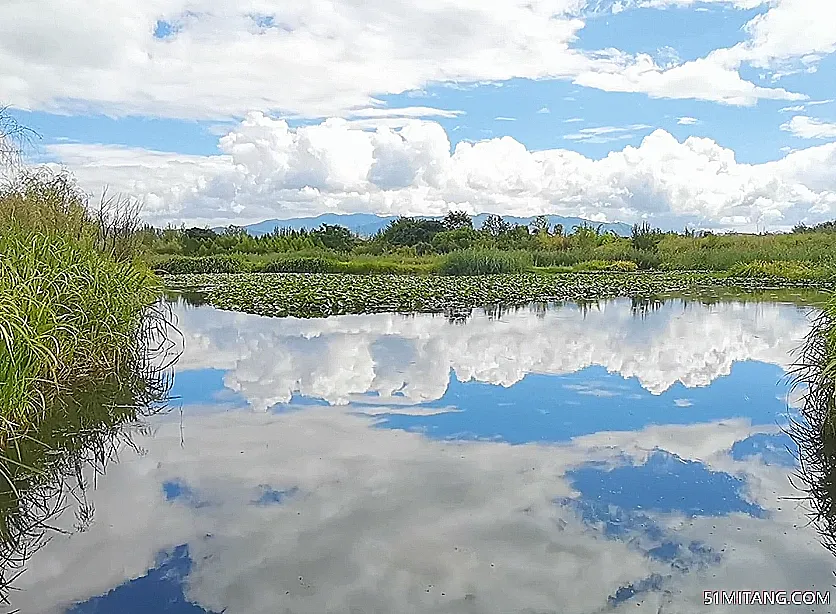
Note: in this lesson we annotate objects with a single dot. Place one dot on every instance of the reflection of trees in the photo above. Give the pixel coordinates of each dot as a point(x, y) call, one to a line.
point(43, 467)
point(815, 432)
point(644, 306)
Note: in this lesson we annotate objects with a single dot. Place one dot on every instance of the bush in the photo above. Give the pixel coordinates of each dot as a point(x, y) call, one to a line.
point(185, 265)
point(485, 262)
point(783, 269)
point(303, 264)
point(604, 265)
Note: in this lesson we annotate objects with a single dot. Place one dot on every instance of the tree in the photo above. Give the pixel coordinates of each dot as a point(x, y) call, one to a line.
point(540, 224)
point(452, 240)
point(455, 220)
point(645, 238)
point(410, 231)
point(495, 226)
point(336, 237)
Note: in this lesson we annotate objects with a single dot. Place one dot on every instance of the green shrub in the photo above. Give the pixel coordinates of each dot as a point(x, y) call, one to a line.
point(783, 269)
point(604, 265)
point(185, 265)
point(485, 262)
point(303, 264)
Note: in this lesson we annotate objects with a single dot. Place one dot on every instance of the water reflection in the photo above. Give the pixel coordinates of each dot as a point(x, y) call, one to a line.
point(545, 460)
point(48, 461)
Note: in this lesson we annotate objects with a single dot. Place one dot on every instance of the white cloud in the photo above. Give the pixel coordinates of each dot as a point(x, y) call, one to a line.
point(687, 121)
point(573, 120)
point(715, 78)
point(544, 110)
point(810, 128)
point(794, 109)
point(326, 59)
point(342, 358)
point(606, 134)
point(501, 118)
point(269, 170)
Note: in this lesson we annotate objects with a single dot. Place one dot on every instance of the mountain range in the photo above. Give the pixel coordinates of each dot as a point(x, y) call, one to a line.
point(367, 224)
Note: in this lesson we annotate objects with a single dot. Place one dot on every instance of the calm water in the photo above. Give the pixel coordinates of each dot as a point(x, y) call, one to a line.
point(560, 460)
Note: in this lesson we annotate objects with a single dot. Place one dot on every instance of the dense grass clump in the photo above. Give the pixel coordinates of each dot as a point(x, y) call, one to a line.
point(815, 432)
point(785, 269)
point(315, 264)
point(193, 265)
point(77, 313)
point(68, 313)
point(485, 262)
point(72, 297)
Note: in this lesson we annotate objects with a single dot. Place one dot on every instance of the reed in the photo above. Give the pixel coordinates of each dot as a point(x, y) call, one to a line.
point(485, 262)
point(814, 432)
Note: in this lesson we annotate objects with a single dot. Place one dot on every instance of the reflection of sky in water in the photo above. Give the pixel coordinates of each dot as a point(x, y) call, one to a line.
point(559, 407)
point(412, 465)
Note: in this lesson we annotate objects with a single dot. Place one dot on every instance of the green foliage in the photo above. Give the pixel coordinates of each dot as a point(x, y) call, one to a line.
point(645, 238)
point(184, 265)
point(303, 264)
point(452, 240)
point(457, 220)
point(485, 262)
point(604, 265)
point(336, 238)
point(783, 269)
point(69, 313)
point(409, 238)
point(411, 231)
point(495, 226)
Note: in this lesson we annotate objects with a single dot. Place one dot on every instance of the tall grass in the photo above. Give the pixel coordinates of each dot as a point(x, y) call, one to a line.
point(77, 316)
point(815, 432)
point(68, 313)
point(485, 262)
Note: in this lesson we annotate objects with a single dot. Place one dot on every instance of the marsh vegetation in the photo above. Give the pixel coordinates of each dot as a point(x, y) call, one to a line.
point(80, 332)
point(454, 247)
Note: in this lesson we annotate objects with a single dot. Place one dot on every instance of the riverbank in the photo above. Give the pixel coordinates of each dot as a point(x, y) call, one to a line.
point(322, 295)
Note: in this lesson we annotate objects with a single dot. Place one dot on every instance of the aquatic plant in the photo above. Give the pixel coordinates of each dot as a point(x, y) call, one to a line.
point(485, 262)
point(321, 295)
point(785, 269)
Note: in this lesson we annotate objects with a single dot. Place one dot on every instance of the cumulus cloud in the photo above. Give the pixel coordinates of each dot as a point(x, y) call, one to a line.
point(408, 359)
point(810, 128)
point(268, 170)
point(212, 59)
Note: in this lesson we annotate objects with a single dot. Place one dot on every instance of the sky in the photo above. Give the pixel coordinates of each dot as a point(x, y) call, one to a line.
point(708, 113)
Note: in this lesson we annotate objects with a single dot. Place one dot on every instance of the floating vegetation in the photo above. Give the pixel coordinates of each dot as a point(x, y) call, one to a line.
point(322, 295)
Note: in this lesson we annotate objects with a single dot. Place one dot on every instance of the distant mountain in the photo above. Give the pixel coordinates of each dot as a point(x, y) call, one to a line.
point(367, 224)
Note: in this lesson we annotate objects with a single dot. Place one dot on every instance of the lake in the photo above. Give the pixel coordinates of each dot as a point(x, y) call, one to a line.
point(558, 458)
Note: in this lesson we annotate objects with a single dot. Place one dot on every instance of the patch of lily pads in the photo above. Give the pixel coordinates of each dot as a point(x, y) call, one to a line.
point(320, 295)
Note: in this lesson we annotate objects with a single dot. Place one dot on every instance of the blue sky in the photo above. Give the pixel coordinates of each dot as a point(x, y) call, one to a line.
point(711, 112)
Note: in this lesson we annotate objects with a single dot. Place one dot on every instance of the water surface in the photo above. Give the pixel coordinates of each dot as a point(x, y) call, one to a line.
point(552, 458)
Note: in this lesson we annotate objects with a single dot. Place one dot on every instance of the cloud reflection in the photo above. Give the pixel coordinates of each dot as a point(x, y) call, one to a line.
point(407, 359)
